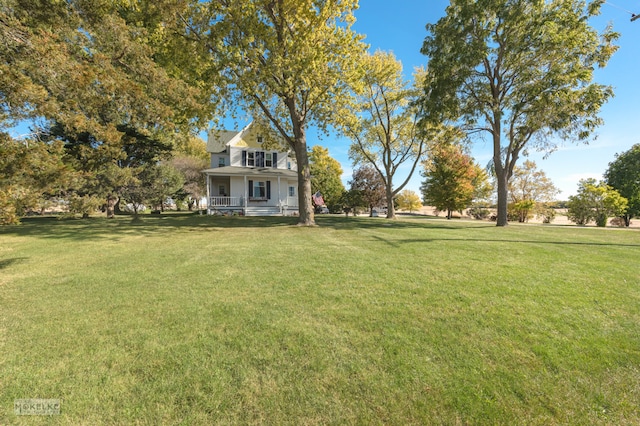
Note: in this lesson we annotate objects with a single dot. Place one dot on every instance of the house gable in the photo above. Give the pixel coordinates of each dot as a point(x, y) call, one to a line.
point(252, 136)
point(253, 146)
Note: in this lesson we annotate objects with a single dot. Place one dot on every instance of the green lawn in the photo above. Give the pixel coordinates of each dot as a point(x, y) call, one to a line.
point(231, 320)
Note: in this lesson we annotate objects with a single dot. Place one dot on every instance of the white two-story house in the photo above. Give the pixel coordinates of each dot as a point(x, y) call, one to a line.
point(246, 178)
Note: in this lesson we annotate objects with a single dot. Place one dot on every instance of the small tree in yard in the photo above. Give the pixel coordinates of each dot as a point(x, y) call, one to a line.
point(326, 174)
point(595, 201)
point(528, 189)
point(408, 200)
point(194, 187)
point(368, 183)
point(152, 184)
point(449, 175)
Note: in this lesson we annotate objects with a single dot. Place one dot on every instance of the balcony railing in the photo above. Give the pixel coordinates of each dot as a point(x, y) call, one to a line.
point(225, 201)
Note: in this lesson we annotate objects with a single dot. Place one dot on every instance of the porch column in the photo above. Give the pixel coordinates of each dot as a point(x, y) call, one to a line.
point(280, 204)
point(246, 198)
point(208, 194)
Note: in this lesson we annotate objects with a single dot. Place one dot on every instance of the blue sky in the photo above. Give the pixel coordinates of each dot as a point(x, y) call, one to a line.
point(399, 27)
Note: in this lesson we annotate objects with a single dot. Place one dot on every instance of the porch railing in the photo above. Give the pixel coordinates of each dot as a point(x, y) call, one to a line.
point(225, 201)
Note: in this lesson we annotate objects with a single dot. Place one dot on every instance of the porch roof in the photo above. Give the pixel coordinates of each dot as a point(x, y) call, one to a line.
point(250, 171)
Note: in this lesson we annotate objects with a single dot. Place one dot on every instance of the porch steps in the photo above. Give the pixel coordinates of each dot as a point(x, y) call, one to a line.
point(262, 211)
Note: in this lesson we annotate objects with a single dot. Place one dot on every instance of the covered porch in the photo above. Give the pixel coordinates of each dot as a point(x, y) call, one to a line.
point(251, 191)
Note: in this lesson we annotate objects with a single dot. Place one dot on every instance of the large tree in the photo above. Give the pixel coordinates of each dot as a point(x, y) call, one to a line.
point(326, 175)
point(520, 72)
point(623, 175)
point(383, 122)
point(284, 60)
point(100, 72)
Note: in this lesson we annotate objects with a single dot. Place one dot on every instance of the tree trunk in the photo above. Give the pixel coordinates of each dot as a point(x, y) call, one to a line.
point(305, 207)
point(116, 205)
point(503, 195)
point(112, 201)
point(391, 210)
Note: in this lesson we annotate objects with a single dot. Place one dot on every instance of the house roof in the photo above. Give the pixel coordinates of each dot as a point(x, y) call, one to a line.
point(218, 140)
point(250, 171)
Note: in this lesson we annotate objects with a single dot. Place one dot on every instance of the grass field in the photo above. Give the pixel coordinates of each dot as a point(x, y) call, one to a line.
point(186, 319)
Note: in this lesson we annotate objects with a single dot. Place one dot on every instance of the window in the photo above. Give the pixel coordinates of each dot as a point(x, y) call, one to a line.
point(222, 190)
point(221, 162)
point(260, 140)
point(259, 190)
point(292, 191)
point(259, 159)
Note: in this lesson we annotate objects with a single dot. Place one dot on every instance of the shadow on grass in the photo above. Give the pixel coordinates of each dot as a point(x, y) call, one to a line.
point(101, 228)
point(5, 263)
point(400, 242)
point(111, 229)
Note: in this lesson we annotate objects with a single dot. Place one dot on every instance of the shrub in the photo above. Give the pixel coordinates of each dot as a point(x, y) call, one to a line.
point(479, 213)
point(546, 213)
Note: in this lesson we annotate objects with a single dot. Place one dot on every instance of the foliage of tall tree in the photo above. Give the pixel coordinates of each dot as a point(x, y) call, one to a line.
point(31, 172)
point(623, 175)
point(106, 73)
point(105, 169)
point(286, 61)
point(383, 122)
point(92, 66)
point(326, 175)
point(366, 180)
point(520, 72)
point(483, 188)
point(595, 202)
point(151, 185)
point(529, 188)
point(449, 178)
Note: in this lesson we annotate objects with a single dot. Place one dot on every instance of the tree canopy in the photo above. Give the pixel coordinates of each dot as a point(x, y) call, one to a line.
point(595, 201)
point(383, 122)
point(530, 188)
point(408, 200)
point(91, 66)
point(623, 175)
point(370, 187)
point(450, 178)
point(518, 71)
